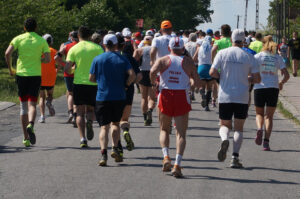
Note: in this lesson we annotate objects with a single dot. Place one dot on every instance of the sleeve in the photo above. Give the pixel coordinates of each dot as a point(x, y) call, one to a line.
point(15, 43)
point(154, 43)
point(46, 48)
point(71, 56)
point(217, 61)
point(216, 43)
point(254, 64)
point(93, 69)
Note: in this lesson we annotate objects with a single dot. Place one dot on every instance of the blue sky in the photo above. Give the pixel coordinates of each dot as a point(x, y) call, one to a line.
point(226, 11)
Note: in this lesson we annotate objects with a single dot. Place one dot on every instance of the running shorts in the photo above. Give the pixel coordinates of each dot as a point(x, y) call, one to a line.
point(145, 81)
point(48, 88)
point(203, 71)
point(296, 56)
point(69, 83)
point(174, 102)
point(266, 97)
point(129, 95)
point(28, 87)
point(227, 110)
point(109, 111)
point(84, 94)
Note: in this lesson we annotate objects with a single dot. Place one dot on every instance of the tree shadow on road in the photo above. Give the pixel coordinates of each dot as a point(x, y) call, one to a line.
point(246, 181)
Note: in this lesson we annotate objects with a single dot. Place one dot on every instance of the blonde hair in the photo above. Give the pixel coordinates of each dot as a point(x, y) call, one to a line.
point(269, 44)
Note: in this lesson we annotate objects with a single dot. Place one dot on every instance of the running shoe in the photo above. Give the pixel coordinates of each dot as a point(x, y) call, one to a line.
point(74, 122)
point(83, 144)
point(207, 108)
point(120, 148)
point(214, 103)
point(176, 171)
point(166, 164)
point(147, 123)
point(149, 117)
point(89, 130)
point(31, 134)
point(42, 119)
point(26, 143)
point(203, 103)
point(258, 139)
point(235, 163)
point(103, 160)
point(223, 150)
point(116, 155)
point(70, 118)
point(129, 142)
point(266, 146)
point(51, 108)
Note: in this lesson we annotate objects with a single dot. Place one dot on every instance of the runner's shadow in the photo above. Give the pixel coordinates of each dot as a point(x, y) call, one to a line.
point(286, 150)
point(9, 149)
point(203, 128)
point(159, 165)
point(272, 169)
point(184, 159)
point(247, 181)
point(146, 147)
point(204, 120)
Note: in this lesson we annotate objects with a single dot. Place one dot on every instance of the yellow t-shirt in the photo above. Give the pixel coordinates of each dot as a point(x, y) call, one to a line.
point(83, 54)
point(256, 46)
point(30, 47)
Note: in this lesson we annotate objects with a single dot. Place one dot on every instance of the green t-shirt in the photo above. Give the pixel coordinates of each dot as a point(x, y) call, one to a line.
point(256, 46)
point(223, 43)
point(30, 47)
point(83, 54)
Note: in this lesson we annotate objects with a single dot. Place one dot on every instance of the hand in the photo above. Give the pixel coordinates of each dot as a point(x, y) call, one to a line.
point(12, 72)
point(280, 86)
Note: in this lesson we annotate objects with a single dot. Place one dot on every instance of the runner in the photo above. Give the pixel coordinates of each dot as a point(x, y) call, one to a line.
point(68, 77)
point(235, 65)
point(266, 92)
point(185, 36)
point(109, 70)
point(31, 47)
point(257, 44)
point(283, 51)
point(203, 58)
point(82, 54)
point(124, 123)
point(142, 55)
point(48, 82)
point(175, 73)
point(294, 50)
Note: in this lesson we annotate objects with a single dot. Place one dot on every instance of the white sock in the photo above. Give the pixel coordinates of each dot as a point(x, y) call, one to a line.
point(82, 139)
point(224, 133)
point(165, 151)
point(237, 141)
point(178, 159)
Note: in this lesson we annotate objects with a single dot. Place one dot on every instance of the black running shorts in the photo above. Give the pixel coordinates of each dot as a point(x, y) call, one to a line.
point(227, 110)
point(28, 85)
point(129, 95)
point(48, 88)
point(145, 81)
point(266, 97)
point(84, 94)
point(109, 111)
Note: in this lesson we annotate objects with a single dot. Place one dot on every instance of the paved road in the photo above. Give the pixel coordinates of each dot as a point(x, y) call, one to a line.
point(57, 168)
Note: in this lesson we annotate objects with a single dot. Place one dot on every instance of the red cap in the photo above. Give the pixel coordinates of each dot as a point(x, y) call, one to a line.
point(137, 34)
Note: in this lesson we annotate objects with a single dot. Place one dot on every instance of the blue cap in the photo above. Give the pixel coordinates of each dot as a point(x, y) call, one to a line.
point(209, 31)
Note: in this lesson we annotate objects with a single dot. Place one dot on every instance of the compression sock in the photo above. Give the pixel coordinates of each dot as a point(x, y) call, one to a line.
point(208, 97)
point(178, 159)
point(237, 141)
point(165, 151)
point(224, 133)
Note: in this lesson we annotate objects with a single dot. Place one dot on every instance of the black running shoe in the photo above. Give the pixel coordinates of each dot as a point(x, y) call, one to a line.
point(89, 130)
point(103, 160)
point(116, 155)
point(223, 150)
point(31, 134)
point(149, 117)
point(83, 144)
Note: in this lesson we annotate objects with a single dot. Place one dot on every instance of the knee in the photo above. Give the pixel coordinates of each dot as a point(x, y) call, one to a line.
point(23, 108)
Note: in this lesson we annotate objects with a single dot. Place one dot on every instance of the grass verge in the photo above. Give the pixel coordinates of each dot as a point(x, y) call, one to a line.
point(9, 90)
point(286, 113)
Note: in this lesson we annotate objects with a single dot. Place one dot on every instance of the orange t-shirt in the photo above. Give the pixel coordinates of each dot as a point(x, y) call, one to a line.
point(49, 70)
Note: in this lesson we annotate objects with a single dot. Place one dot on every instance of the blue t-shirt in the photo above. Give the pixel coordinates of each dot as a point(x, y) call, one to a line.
point(248, 50)
point(110, 70)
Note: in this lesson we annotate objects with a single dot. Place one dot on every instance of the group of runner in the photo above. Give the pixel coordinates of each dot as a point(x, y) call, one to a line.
point(101, 68)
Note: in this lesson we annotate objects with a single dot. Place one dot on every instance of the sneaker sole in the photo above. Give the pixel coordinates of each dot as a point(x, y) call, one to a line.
point(177, 175)
point(102, 163)
point(236, 167)
point(83, 146)
point(130, 144)
point(258, 139)
point(223, 150)
point(32, 137)
point(167, 167)
point(117, 157)
point(89, 131)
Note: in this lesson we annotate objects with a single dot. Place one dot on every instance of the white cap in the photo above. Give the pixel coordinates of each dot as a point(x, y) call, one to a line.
point(149, 38)
point(149, 33)
point(176, 43)
point(48, 36)
point(157, 34)
point(126, 33)
point(110, 37)
point(238, 35)
point(126, 29)
point(118, 33)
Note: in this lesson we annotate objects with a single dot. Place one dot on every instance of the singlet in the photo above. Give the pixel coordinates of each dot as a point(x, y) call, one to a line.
point(145, 66)
point(67, 48)
point(174, 77)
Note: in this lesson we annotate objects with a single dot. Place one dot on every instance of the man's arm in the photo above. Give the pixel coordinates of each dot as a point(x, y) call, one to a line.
point(46, 58)
point(131, 77)
point(214, 73)
point(68, 67)
point(194, 77)
point(195, 57)
point(154, 70)
point(92, 78)
point(8, 59)
point(137, 54)
point(153, 53)
point(213, 52)
point(286, 77)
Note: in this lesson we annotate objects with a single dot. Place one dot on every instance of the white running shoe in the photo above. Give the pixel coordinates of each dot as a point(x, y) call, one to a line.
point(42, 119)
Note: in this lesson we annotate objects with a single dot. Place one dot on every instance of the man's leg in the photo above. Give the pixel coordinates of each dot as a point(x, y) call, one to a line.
point(89, 124)
point(80, 120)
point(103, 140)
point(125, 126)
point(115, 134)
point(164, 139)
point(144, 100)
point(295, 67)
point(42, 106)
point(24, 118)
point(49, 100)
point(260, 112)
point(238, 136)
point(269, 126)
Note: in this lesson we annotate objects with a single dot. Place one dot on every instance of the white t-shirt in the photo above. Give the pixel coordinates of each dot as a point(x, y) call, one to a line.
point(162, 44)
point(185, 40)
point(191, 47)
point(200, 41)
point(204, 53)
point(235, 65)
point(269, 64)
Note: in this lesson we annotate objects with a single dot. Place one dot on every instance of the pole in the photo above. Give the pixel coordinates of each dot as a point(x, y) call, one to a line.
point(238, 21)
point(257, 16)
point(245, 19)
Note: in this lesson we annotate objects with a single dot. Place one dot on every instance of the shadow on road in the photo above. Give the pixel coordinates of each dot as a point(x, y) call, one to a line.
point(11, 149)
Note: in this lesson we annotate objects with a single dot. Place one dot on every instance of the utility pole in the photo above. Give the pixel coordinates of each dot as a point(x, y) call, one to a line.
point(238, 21)
point(245, 19)
point(257, 16)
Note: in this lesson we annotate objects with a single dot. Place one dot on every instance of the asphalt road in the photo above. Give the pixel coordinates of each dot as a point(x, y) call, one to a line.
point(56, 168)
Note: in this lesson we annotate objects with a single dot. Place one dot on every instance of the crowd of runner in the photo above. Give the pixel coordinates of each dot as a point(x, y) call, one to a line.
point(101, 69)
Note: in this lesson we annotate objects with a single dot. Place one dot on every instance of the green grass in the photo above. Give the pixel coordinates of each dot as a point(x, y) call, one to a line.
point(286, 113)
point(9, 90)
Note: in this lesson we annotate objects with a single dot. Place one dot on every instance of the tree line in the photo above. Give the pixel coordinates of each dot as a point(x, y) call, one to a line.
point(58, 17)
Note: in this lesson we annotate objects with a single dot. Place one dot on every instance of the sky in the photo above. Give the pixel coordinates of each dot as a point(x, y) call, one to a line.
point(226, 11)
